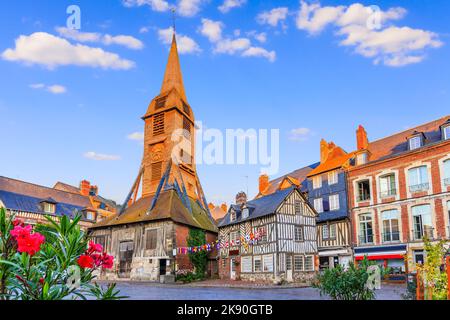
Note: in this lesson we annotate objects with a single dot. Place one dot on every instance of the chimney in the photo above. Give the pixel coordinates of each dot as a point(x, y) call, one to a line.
point(211, 206)
point(324, 151)
point(85, 187)
point(241, 198)
point(362, 142)
point(94, 190)
point(224, 207)
point(263, 183)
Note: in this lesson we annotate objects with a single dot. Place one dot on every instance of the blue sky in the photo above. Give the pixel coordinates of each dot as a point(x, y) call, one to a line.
point(286, 65)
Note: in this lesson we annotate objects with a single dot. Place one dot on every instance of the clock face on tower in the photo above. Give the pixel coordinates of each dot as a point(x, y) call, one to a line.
point(157, 152)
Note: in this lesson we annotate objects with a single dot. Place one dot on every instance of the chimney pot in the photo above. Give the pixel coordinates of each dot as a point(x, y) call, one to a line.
point(241, 199)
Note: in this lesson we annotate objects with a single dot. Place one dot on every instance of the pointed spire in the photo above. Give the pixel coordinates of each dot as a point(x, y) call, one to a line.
point(173, 77)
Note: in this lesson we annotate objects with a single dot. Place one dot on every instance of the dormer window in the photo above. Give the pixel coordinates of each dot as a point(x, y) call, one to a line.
point(49, 207)
point(415, 142)
point(362, 158)
point(89, 215)
point(245, 213)
point(233, 216)
point(446, 132)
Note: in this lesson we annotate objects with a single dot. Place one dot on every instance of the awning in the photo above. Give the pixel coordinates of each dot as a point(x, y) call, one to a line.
point(380, 252)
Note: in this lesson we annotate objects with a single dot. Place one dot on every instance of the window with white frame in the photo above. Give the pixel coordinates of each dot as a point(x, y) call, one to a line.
point(298, 233)
point(298, 207)
point(388, 186)
point(233, 216)
point(257, 264)
point(245, 213)
point(318, 205)
point(448, 215)
point(234, 236)
point(325, 231)
point(268, 263)
point(391, 231)
point(422, 222)
point(309, 263)
point(49, 207)
point(334, 202)
point(317, 182)
point(418, 179)
point(365, 229)
point(333, 231)
point(362, 158)
point(446, 132)
point(447, 172)
point(246, 264)
point(299, 263)
point(332, 177)
point(415, 143)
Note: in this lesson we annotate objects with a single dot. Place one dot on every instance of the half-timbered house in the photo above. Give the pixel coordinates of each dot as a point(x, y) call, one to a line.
point(271, 239)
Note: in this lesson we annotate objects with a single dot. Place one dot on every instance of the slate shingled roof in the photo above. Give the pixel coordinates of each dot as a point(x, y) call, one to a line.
point(27, 197)
point(258, 208)
point(168, 206)
point(299, 175)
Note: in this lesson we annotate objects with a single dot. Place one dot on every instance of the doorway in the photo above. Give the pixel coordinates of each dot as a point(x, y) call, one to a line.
point(126, 250)
point(233, 268)
point(162, 267)
point(289, 276)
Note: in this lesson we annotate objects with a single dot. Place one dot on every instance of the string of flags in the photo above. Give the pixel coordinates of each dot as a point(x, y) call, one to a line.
point(246, 241)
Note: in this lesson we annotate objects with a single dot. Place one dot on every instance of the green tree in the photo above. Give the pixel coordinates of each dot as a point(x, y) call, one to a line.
point(435, 277)
point(199, 259)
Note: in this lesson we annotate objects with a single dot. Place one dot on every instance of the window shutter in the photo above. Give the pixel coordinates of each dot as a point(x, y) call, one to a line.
point(156, 171)
point(158, 124)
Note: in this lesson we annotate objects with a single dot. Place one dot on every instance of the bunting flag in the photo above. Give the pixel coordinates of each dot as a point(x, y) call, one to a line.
point(246, 241)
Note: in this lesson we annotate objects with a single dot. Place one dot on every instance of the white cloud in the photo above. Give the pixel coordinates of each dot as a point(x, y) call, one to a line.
point(260, 52)
point(260, 37)
point(156, 5)
point(370, 32)
point(184, 43)
point(273, 17)
point(211, 29)
point(300, 134)
point(136, 136)
point(123, 40)
point(100, 157)
point(144, 30)
point(189, 8)
point(127, 41)
point(51, 51)
point(232, 46)
point(55, 89)
point(231, 4)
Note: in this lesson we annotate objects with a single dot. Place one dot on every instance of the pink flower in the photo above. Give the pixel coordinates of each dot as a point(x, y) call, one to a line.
point(26, 241)
point(93, 247)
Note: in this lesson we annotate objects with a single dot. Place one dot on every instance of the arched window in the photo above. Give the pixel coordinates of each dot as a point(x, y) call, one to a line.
point(365, 229)
point(418, 179)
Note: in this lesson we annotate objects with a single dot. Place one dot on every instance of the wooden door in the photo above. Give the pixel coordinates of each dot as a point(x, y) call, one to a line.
point(125, 258)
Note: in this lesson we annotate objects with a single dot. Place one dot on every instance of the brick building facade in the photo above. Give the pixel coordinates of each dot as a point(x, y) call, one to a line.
point(399, 193)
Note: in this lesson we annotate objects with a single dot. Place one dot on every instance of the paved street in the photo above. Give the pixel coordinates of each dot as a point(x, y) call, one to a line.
point(151, 291)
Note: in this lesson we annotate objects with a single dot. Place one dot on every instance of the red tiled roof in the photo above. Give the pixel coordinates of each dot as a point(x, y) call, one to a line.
point(336, 159)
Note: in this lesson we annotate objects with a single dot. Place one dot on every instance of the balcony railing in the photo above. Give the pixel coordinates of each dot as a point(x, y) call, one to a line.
point(390, 236)
point(388, 193)
point(366, 239)
point(420, 233)
point(419, 187)
point(363, 197)
point(447, 182)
